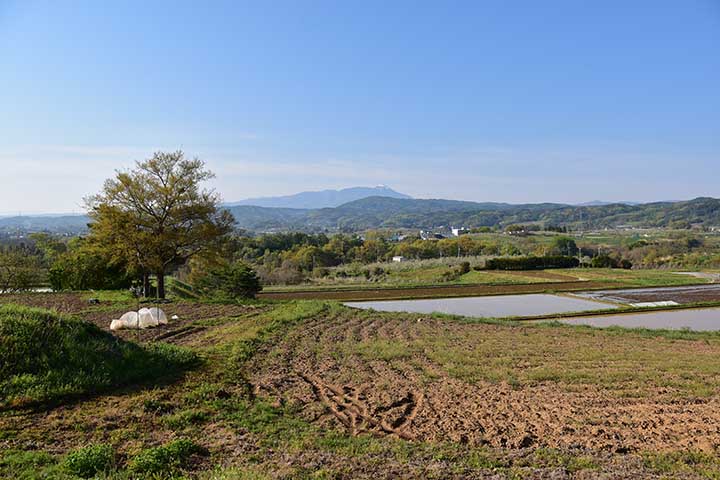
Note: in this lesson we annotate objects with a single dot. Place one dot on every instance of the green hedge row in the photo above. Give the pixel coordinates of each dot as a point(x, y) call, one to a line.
point(531, 263)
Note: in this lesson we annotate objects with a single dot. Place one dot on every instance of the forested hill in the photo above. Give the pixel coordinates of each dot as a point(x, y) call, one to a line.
point(385, 212)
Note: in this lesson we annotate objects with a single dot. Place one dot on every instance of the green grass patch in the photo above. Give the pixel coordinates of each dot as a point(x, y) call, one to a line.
point(45, 356)
point(186, 418)
point(381, 349)
point(683, 464)
point(91, 460)
point(273, 323)
point(110, 296)
point(552, 458)
point(166, 460)
point(30, 465)
point(500, 278)
point(237, 473)
point(633, 278)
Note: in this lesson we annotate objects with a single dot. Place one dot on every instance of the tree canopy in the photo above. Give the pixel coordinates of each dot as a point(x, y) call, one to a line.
point(157, 215)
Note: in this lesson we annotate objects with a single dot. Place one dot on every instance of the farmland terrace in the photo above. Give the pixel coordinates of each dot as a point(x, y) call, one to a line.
point(312, 389)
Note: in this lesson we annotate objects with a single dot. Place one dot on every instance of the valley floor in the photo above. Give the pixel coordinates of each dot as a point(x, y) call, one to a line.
point(312, 389)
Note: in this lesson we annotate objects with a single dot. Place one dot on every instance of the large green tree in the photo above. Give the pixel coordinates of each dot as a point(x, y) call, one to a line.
point(564, 246)
point(157, 215)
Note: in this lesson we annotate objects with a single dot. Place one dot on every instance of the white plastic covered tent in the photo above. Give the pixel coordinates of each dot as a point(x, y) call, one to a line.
point(144, 318)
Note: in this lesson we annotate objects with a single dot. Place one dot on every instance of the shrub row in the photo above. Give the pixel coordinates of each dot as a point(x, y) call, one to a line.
point(531, 263)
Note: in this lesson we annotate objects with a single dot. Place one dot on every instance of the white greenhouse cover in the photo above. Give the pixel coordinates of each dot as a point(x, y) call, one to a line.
point(145, 318)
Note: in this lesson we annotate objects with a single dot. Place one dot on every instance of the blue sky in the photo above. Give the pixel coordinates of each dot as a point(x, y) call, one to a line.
point(518, 101)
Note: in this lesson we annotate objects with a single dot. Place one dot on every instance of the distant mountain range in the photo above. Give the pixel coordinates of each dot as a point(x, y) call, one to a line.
point(600, 203)
point(384, 212)
point(388, 212)
point(321, 199)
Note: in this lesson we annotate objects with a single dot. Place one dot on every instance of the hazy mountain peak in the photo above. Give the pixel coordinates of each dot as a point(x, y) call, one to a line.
point(602, 203)
point(323, 198)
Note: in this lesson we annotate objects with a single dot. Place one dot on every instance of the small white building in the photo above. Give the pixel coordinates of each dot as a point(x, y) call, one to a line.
point(398, 258)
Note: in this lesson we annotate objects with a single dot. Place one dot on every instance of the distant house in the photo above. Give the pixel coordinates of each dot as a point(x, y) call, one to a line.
point(427, 235)
point(459, 231)
point(398, 258)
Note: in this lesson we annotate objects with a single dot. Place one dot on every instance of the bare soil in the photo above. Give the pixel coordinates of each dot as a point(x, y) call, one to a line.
point(68, 303)
point(413, 397)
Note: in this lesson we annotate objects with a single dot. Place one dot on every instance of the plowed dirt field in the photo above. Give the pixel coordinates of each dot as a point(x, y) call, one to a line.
point(507, 387)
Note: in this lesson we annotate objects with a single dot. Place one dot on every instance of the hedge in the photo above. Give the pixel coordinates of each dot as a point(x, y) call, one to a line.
point(531, 263)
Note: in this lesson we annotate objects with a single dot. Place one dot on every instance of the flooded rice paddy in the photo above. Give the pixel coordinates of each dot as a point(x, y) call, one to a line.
point(490, 306)
point(700, 319)
point(500, 306)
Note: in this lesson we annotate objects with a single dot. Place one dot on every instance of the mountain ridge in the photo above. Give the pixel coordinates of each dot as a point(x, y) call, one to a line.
point(383, 212)
point(320, 199)
point(407, 213)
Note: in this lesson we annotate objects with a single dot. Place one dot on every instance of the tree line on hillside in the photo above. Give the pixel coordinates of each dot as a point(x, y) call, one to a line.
point(382, 213)
point(288, 258)
point(156, 219)
point(375, 213)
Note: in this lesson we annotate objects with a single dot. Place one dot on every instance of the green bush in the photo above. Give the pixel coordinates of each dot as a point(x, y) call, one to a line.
point(90, 460)
point(168, 459)
point(230, 281)
point(45, 356)
point(531, 263)
point(82, 270)
point(606, 261)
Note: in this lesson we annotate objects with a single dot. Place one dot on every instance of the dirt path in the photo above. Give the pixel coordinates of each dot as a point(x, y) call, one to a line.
point(433, 292)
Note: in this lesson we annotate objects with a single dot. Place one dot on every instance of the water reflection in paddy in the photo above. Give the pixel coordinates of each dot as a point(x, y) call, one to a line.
point(705, 319)
point(489, 306)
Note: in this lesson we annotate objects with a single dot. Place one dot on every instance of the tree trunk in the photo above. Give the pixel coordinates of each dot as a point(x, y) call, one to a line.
point(161, 284)
point(146, 284)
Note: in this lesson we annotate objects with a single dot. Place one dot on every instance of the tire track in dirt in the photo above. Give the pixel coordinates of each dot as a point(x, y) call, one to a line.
point(349, 405)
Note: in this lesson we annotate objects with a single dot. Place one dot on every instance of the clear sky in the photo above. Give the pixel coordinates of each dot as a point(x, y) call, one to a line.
point(507, 100)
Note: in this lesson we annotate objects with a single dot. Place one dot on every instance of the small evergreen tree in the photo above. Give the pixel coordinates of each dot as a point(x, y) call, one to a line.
point(229, 281)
